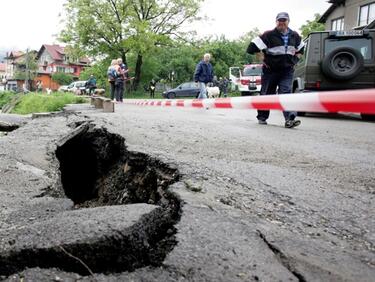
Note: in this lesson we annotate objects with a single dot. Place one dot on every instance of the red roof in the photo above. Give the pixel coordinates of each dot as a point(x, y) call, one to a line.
point(2, 67)
point(56, 51)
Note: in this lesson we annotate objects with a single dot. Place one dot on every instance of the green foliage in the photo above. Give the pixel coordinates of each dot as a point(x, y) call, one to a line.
point(5, 98)
point(311, 26)
point(226, 54)
point(116, 28)
point(38, 103)
point(62, 78)
point(183, 57)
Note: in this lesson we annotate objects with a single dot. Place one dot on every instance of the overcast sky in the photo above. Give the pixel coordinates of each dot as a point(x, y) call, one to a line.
point(31, 23)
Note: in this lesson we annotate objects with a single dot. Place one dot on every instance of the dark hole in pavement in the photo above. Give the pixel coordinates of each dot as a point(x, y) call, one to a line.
point(5, 128)
point(98, 170)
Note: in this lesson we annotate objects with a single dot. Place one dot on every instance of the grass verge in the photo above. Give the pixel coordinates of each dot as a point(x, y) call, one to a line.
point(5, 98)
point(39, 103)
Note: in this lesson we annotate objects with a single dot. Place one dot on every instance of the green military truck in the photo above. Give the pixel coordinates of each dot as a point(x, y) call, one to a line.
point(337, 60)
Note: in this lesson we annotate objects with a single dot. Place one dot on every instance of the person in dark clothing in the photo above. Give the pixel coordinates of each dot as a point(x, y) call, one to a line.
point(224, 86)
point(91, 84)
point(280, 50)
point(152, 88)
point(121, 71)
point(204, 74)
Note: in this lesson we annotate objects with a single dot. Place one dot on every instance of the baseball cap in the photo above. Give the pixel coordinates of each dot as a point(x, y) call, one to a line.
point(282, 15)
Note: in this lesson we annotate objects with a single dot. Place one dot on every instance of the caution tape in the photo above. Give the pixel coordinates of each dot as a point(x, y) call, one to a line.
point(356, 101)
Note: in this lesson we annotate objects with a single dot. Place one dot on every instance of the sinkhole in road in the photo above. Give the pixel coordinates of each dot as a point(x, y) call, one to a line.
point(96, 170)
point(6, 128)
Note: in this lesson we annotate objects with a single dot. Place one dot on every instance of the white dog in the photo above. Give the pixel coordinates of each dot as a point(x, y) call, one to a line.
point(213, 92)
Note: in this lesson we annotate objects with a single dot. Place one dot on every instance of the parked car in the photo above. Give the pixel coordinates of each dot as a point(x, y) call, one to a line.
point(337, 60)
point(77, 87)
point(187, 89)
point(248, 80)
point(63, 88)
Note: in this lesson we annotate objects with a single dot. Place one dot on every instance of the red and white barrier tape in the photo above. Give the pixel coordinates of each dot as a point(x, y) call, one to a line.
point(356, 101)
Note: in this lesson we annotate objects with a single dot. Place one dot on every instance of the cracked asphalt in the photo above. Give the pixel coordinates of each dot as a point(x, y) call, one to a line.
point(260, 203)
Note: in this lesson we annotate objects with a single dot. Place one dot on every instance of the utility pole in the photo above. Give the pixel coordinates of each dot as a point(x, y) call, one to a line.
point(27, 71)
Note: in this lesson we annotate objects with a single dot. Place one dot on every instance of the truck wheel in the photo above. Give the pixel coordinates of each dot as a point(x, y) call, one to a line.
point(368, 117)
point(342, 63)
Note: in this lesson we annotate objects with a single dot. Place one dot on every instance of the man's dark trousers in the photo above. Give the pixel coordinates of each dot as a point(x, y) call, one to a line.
point(272, 80)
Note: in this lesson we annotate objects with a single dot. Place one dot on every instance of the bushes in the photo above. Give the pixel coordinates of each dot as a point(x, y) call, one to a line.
point(37, 103)
point(62, 78)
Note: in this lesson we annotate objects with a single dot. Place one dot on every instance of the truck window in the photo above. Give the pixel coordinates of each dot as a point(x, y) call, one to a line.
point(306, 48)
point(361, 44)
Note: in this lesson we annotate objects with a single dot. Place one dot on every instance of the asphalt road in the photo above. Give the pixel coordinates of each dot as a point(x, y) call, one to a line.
point(259, 203)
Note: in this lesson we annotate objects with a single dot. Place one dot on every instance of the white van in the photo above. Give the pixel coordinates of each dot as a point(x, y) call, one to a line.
point(248, 80)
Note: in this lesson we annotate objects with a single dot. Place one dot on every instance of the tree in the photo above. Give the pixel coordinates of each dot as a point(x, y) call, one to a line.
point(117, 27)
point(62, 78)
point(311, 26)
point(27, 68)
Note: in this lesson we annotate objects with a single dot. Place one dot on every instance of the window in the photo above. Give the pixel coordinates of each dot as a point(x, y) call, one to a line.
point(60, 69)
point(338, 24)
point(366, 14)
point(361, 44)
point(253, 71)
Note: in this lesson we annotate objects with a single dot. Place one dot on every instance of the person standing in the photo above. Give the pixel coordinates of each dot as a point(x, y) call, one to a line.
point(91, 84)
point(280, 50)
point(123, 74)
point(120, 80)
point(224, 85)
point(204, 74)
point(112, 74)
point(39, 86)
point(152, 87)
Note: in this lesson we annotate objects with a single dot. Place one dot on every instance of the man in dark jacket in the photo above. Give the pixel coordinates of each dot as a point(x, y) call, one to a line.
point(91, 84)
point(281, 49)
point(203, 74)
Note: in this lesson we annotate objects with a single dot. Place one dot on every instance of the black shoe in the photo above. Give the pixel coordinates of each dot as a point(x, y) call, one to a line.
point(292, 123)
point(262, 122)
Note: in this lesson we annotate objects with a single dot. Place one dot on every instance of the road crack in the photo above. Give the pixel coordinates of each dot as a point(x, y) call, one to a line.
point(283, 259)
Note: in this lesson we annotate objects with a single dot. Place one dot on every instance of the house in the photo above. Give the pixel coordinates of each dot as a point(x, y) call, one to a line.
point(2, 76)
point(2, 71)
point(14, 62)
point(53, 59)
point(349, 14)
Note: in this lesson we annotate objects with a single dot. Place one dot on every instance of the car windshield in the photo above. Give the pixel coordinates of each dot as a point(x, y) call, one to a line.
point(252, 71)
point(363, 45)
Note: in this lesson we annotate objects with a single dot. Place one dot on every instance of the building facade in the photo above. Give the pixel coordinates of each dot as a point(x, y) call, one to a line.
point(53, 59)
point(14, 61)
point(349, 14)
